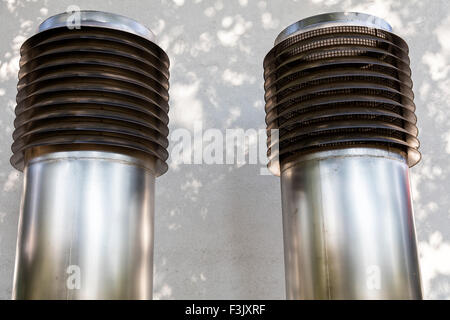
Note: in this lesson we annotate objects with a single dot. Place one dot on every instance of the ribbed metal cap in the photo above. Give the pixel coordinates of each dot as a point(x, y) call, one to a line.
point(104, 84)
point(335, 81)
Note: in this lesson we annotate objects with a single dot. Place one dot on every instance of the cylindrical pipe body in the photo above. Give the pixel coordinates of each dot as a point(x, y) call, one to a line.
point(91, 136)
point(86, 227)
point(348, 226)
point(339, 95)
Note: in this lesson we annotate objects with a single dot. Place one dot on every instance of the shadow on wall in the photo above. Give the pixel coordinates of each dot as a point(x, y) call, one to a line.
point(218, 227)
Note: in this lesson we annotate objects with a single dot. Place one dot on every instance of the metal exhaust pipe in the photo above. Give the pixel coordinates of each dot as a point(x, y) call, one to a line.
point(90, 136)
point(338, 89)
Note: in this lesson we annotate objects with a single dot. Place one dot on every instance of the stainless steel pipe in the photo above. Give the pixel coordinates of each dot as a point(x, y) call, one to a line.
point(91, 136)
point(338, 90)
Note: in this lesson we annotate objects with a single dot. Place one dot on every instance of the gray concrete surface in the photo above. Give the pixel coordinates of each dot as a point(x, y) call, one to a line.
point(218, 227)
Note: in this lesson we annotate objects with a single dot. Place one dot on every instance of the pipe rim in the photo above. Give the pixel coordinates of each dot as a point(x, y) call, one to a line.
point(333, 19)
point(92, 18)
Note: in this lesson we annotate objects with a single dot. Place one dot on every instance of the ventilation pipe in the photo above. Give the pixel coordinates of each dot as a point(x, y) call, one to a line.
point(91, 137)
point(338, 94)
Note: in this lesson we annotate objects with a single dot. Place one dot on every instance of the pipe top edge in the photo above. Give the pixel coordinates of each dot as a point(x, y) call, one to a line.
point(333, 19)
point(90, 18)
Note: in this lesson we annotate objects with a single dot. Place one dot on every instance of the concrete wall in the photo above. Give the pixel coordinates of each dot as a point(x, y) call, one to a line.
point(218, 227)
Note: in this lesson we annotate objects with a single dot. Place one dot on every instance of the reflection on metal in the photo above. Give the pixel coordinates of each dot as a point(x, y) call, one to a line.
point(348, 226)
point(339, 90)
point(91, 136)
point(86, 228)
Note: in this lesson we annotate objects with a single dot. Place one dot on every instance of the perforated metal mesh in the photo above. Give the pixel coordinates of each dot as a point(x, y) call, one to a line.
point(337, 87)
point(92, 86)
